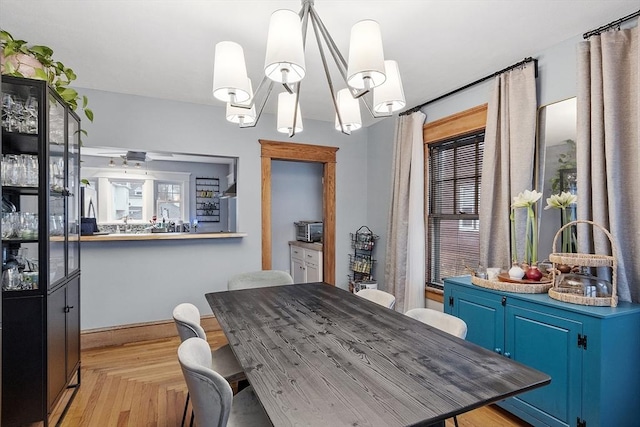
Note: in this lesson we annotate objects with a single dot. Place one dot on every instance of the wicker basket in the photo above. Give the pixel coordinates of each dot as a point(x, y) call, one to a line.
point(520, 288)
point(584, 260)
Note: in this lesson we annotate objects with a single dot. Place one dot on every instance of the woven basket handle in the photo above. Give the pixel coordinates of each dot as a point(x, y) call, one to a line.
point(584, 221)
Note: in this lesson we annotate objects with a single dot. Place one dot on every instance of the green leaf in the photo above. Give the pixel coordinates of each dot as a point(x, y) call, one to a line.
point(84, 132)
point(9, 68)
point(89, 114)
point(70, 74)
point(44, 51)
point(85, 182)
point(85, 101)
point(41, 74)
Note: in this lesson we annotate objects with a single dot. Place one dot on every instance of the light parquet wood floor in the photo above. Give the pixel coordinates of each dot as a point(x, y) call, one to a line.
point(141, 384)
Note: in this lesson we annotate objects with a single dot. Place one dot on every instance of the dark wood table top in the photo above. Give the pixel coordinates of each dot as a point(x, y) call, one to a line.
point(318, 355)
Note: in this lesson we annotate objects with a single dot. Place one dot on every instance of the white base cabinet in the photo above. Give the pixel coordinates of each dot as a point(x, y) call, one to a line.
point(306, 262)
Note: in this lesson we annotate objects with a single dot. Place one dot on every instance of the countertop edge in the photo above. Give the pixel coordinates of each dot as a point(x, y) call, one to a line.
point(159, 236)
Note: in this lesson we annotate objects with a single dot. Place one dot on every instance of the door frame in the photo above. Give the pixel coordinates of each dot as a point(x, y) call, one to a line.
point(275, 150)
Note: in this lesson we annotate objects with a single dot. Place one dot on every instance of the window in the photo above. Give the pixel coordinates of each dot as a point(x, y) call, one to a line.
point(126, 199)
point(136, 197)
point(453, 196)
point(169, 201)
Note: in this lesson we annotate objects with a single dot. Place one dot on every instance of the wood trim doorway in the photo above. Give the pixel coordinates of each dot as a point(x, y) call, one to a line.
point(274, 150)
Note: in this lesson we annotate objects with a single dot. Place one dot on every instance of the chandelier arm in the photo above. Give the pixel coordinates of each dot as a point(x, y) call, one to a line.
point(304, 17)
point(262, 104)
point(333, 48)
point(252, 100)
point(328, 76)
point(341, 63)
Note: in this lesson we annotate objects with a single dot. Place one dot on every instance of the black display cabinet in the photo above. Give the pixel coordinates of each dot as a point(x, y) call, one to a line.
point(40, 251)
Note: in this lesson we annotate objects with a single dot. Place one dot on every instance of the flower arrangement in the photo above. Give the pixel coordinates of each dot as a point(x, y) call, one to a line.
point(527, 199)
point(562, 201)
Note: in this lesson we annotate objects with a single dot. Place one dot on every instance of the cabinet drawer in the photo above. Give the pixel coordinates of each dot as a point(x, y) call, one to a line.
point(312, 257)
point(297, 253)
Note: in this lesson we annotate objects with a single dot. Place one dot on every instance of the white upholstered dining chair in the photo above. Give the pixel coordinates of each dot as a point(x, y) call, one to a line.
point(379, 297)
point(259, 279)
point(445, 322)
point(214, 404)
point(187, 319)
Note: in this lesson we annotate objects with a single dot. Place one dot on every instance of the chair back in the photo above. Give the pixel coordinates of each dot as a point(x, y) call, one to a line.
point(445, 322)
point(378, 296)
point(259, 279)
point(187, 319)
point(211, 394)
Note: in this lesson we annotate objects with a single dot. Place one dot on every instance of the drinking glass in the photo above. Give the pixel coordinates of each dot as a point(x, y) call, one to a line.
point(31, 114)
point(8, 100)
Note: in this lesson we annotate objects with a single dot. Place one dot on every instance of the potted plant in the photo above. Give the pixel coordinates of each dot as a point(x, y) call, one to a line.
point(33, 61)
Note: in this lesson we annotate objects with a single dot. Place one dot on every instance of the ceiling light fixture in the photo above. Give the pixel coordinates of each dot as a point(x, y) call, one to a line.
point(367, 75)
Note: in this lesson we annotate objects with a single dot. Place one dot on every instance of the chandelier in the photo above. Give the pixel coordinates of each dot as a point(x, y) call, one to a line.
point(368, 77)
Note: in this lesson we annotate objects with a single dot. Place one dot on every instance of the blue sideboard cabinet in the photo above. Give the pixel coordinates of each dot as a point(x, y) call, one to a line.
point(591, 353)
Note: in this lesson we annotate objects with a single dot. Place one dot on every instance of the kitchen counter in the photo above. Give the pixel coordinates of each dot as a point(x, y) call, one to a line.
point(117, 237)
point(307, 245)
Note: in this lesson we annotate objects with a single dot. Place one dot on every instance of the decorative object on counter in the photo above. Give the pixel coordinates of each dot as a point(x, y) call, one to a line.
point(527, 199)
point(516, 272)
point(520, 286)
point(361, 262)
point(563, 201)
point(583, 288)
point(36, 62)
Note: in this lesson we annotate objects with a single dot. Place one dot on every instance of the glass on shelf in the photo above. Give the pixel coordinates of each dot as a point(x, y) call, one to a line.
point(18, 114)
point(20, 170)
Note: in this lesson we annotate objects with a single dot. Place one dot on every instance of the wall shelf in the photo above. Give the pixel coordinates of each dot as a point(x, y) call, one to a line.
point(207, 199)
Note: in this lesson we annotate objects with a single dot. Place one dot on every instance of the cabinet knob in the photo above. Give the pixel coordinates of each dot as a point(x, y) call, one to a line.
point(498, 350)
point(68, 308)
point(507, 354)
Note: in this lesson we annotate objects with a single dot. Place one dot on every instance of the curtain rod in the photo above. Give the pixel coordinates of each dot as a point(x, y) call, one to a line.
point(497, 73)
point(610, 25)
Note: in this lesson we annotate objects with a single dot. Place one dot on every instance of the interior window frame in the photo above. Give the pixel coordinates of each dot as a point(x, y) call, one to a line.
point(460, 124)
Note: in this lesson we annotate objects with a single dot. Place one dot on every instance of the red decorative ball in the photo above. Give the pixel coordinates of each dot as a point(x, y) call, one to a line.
point(533, 273)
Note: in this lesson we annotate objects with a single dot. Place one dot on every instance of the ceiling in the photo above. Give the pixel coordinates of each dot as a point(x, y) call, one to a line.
point(164, 49)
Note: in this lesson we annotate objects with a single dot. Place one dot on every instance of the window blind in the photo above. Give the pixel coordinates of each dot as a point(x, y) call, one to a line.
point(454, 192)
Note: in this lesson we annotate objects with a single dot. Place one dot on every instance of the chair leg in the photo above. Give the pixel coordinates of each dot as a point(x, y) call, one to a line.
point(455, 420)
point(191, 424)
point(184, 413)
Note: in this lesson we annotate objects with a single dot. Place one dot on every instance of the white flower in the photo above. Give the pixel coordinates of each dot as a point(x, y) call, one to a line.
point(526, 199)
point(561, 201)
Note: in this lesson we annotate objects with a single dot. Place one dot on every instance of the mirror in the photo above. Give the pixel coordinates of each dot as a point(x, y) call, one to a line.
point(556, 172)
point(138, 191)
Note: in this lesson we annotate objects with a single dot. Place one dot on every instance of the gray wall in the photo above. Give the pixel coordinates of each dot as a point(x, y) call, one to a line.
point(134, 122)
point(296, 194)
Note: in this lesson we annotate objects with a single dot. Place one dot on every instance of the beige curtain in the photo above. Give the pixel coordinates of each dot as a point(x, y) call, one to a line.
point(405, 261)
point(608, 150)
point(507, 164)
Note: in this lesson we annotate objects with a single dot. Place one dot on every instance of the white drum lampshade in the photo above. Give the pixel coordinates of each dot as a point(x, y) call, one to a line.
point(230, 73)
point(286, 106)
point(366, 56)
point(243, 116)
point(284, 61)
point(349, 108)
point(389, 96)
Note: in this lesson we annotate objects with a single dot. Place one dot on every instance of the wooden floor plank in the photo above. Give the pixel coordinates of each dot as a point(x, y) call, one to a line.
point(141, 384)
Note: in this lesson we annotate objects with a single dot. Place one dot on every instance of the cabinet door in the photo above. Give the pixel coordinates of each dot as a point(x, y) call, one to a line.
point(484, 315)
point(73, 195)
point(57, 169)
point(56, 344)
point(313, 273)
point(549, 344)
point(73, 326)
point(297, 271)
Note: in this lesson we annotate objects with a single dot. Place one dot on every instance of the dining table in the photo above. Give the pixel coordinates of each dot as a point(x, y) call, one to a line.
point(318, 355)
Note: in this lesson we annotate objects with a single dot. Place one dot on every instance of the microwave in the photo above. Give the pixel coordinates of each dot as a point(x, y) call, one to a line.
point(308, 231)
